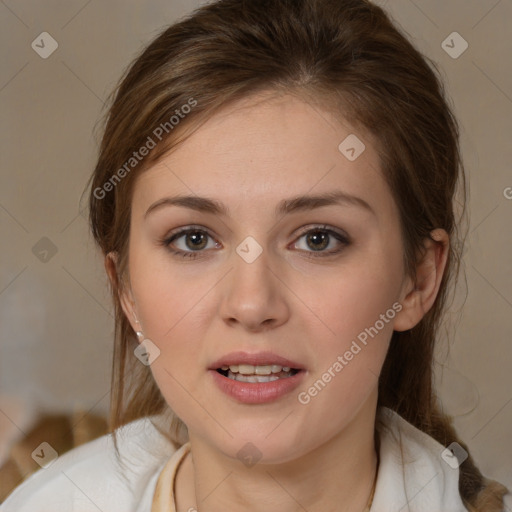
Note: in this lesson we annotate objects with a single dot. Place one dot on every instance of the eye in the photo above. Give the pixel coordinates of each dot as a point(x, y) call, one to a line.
point(322, 240)
point(192, 241)
point(188, 242)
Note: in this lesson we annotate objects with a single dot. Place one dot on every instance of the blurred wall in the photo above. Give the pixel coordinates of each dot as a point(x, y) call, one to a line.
point(56, 322)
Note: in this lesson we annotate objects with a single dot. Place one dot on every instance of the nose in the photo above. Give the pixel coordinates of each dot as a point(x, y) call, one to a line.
point(255, 298)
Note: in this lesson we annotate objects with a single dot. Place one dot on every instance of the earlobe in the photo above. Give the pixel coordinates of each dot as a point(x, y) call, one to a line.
point(420, 294)
point(124, 292)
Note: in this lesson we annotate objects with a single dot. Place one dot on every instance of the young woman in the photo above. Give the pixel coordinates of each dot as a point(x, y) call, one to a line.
point(274, 200)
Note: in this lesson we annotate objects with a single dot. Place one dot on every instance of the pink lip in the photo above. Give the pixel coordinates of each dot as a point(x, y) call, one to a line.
point(257, 392)
point(258, 358)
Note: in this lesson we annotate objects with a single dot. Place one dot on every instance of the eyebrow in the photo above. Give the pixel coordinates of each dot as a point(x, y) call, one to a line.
point(286, 206)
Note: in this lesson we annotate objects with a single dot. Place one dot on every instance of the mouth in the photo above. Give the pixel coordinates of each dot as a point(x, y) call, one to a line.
point(257, 374)
point(256, 378)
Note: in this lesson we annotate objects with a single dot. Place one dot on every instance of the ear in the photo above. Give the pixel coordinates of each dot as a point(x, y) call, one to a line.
point(123, 290)
point(419, 293)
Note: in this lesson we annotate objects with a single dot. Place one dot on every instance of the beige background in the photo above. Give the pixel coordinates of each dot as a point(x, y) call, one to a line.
point(55, 316)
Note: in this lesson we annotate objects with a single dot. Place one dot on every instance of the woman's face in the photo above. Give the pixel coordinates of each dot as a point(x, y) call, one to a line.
point(268, 277)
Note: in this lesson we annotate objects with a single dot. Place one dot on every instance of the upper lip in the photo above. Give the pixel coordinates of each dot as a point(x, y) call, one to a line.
point(256, 359)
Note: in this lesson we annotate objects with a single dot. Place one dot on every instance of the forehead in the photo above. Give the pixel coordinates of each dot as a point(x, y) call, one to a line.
point(264, 148)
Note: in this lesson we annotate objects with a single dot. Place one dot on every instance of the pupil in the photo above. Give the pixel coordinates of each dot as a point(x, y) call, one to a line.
point(198, 240)
point(318, 238)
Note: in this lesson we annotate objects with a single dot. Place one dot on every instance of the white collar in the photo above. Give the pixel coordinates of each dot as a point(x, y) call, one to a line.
point(413, 477)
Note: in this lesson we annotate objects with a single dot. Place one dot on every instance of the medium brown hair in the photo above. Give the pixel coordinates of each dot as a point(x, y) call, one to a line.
point(347, 56)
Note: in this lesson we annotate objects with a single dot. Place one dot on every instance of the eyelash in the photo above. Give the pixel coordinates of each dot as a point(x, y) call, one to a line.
point(339, 236)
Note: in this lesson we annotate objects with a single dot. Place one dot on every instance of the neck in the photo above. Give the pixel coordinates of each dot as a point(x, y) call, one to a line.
point(340, 471)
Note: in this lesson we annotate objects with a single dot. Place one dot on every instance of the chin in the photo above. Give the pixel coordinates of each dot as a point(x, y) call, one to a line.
point(267, 441)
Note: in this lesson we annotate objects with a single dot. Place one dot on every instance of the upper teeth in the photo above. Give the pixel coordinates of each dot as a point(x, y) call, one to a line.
point(249, 369)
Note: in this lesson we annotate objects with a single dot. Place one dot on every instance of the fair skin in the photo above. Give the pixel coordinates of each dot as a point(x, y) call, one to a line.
point(289, 300)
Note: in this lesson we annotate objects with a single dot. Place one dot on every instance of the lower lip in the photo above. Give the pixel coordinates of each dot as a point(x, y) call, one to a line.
point(257, 392)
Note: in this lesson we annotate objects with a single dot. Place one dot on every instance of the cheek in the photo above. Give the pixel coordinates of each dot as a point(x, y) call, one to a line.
point(348, 301)
point(347, 364)
point(175, 309)
point(352, 324)
point(183, 395)
point(169, 297)
point(173, 315)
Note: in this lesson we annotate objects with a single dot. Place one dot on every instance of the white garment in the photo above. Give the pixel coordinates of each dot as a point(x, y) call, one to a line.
point(412, 475)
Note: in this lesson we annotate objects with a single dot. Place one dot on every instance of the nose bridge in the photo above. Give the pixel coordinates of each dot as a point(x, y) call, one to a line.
point(251, 268)
point(254, 296)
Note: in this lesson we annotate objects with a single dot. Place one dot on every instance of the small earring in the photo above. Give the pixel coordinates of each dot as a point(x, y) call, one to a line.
point(140, 335)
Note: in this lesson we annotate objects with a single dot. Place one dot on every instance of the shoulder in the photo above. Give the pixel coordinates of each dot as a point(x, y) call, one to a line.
point(93, 477)
point(416, 473)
